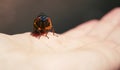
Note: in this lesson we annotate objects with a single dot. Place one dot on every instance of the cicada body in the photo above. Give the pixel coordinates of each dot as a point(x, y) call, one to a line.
point(42, 25)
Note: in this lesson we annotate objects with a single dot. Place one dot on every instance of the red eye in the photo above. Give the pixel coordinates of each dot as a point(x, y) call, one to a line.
point(37, 19)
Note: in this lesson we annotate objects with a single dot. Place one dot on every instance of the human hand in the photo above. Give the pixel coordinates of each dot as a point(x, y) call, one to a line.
point(94, 45)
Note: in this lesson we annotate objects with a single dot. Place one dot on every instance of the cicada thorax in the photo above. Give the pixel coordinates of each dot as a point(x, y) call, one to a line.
point(43, 25)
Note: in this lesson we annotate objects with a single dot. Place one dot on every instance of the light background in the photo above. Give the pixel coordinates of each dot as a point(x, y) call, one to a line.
point(16, 16)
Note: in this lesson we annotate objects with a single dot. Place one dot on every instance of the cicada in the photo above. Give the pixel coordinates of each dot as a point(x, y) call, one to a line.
point(42, 25)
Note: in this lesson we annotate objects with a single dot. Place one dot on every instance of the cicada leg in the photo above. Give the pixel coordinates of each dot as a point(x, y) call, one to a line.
point(53, 31)
point(46, 34)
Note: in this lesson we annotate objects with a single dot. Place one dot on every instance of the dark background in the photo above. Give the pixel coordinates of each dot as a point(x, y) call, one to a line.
point(16, 16)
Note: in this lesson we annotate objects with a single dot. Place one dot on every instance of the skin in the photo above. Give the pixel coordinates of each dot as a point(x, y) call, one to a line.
point(94, 45)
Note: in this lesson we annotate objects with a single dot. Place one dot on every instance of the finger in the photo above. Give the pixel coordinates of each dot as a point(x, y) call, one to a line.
point(115, 35)
point(82, 29)
point(107, 24)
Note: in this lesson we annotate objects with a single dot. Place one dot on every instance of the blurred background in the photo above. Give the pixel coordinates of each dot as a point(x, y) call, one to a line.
point(16, 16)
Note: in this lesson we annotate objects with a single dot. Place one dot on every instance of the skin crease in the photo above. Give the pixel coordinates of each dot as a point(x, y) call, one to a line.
point(94, 45)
